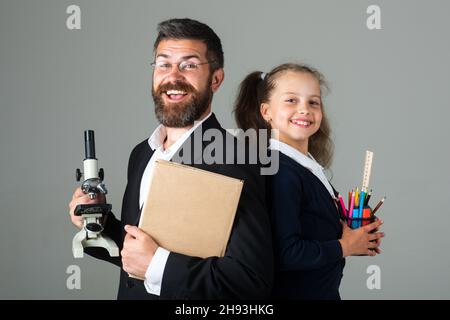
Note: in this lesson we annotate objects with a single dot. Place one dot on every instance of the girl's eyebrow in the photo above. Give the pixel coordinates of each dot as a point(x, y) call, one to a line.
point(295, 93)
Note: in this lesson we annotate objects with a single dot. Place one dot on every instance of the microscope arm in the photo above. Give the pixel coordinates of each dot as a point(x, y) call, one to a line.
point(113, 229)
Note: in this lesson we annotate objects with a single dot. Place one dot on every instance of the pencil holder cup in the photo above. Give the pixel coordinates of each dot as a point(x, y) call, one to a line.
point(359, 219)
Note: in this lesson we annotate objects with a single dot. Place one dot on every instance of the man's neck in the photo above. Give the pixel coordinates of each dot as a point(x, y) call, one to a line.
point(173, 134)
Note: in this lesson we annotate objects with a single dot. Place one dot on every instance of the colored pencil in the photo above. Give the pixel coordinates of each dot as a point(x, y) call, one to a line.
point(378, 205)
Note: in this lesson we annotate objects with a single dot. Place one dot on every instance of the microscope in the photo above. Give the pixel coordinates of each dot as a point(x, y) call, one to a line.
point(93, 214)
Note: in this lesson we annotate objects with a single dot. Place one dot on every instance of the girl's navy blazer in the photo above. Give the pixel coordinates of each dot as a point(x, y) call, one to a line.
point(306, 228)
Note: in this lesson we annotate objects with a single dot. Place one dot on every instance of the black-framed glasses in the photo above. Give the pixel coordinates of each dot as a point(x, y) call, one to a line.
point(183, 66)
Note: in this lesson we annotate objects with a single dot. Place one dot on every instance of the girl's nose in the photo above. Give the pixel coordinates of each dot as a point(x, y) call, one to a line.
point(303, 108)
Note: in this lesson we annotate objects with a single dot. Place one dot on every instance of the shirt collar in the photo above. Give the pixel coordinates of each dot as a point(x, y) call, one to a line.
point(306, 161)
point(158, 136)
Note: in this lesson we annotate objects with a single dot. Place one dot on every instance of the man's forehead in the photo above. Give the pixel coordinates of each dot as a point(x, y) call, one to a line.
point(181, 47)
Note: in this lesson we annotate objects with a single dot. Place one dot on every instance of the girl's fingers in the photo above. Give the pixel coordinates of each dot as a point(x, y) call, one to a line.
point(376, 236)
point(372, 226)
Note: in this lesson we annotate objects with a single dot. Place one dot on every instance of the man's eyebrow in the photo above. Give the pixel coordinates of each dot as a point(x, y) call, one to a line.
point(162, 55)
point(190, 57)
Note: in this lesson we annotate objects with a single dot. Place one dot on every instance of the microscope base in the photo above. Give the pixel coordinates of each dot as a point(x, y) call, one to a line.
point(80, 242)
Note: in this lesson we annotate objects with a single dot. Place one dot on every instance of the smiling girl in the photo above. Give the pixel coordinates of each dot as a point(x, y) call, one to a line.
point(310, 240)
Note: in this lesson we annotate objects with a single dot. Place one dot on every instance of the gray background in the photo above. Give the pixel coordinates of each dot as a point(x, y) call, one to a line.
point(389, 94)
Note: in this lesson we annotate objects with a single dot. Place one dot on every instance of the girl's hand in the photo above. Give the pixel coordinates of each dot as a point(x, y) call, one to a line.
point(360, 241)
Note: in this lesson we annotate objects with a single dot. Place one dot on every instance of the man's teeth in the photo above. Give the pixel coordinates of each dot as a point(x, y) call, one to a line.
point(303, 123)
point(170, 92)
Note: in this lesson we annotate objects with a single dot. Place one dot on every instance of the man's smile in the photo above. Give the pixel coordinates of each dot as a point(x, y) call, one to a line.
point(175, 95)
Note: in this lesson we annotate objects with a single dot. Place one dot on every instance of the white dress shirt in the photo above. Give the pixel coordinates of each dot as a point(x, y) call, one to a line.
point(155, 270)
point(307, 161)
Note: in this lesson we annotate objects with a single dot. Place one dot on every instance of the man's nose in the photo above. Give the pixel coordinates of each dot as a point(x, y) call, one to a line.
point(175, 73)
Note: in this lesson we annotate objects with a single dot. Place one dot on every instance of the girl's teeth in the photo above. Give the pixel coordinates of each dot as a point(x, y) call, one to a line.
point(303, 123)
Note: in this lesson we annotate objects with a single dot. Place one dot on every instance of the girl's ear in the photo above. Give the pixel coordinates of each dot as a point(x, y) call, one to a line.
point(265, 112)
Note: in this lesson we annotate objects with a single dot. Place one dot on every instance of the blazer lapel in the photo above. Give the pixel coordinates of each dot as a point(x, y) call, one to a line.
point(195, 144)
point(142, 160)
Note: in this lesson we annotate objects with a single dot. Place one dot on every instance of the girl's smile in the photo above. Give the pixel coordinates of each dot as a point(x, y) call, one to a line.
point(294, 108)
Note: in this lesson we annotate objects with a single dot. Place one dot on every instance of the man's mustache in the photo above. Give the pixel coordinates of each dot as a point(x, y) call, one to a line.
point(181, 86)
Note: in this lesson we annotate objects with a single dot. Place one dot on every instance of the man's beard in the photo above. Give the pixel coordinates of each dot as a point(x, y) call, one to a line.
point(182, 114)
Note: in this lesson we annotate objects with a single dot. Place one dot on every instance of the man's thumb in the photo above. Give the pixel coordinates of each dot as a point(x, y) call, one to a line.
point(133, 231)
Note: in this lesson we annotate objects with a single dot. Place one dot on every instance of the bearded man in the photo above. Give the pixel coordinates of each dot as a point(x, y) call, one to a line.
point(187, 71)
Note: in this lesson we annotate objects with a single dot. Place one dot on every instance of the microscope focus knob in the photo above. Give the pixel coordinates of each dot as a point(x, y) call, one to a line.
point(78, 174)
point(101, 174)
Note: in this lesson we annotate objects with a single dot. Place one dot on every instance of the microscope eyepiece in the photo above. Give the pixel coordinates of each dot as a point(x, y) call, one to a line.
point(89, 144)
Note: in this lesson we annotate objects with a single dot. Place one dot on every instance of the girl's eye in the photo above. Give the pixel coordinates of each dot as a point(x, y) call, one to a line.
point(314, 103)
point(291, 100)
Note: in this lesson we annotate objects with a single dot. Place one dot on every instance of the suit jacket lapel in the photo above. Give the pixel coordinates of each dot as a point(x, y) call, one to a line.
point(195, 157)
point(142, 160)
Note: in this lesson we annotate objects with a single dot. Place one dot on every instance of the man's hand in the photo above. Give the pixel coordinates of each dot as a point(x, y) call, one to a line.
point(79, 197)
point(138, 251)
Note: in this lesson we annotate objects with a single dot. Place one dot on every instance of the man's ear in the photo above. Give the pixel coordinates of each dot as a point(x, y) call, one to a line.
point(217, 79)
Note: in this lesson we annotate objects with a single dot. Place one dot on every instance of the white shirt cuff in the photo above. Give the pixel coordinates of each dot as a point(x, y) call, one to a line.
point(155, 271)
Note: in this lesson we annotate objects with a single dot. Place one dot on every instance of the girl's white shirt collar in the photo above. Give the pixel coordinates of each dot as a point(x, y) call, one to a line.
point(307, 161)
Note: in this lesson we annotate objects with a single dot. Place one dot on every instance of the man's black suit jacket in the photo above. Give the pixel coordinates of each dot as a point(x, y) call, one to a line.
point(246, 270)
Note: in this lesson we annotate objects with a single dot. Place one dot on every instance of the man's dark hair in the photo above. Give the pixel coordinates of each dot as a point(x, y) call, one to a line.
point(192, 29)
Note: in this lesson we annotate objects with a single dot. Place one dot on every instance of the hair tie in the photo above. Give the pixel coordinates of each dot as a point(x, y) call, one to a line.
point(263, 76)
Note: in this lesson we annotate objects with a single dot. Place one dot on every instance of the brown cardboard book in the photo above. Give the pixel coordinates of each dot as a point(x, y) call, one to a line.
point(189, 210)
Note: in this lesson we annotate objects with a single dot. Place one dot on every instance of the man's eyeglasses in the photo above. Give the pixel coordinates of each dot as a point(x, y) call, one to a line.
point(163, 66)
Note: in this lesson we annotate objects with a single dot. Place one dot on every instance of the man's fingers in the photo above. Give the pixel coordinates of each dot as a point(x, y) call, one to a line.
point(78, 193)
point(128, 236)
point(79, 197)
point(81, 200)
point(134, 231)
point(85, 199)
point(127, 241)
